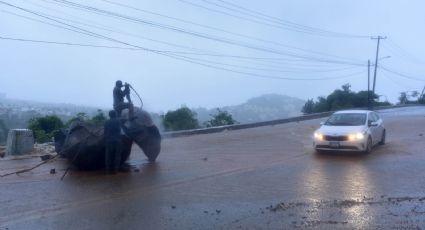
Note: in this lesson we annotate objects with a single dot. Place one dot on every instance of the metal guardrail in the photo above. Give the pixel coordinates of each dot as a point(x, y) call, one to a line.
point(265, 123)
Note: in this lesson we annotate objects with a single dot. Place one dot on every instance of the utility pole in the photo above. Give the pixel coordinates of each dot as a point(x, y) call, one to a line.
point(376, 62)
point(368, 84)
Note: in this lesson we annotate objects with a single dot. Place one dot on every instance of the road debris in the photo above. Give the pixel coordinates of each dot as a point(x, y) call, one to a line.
point(28, 169)
point(45, 148)
point(53, 171)
point(46, 157)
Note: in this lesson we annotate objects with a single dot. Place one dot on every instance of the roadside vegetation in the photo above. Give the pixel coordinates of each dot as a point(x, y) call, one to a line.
point(3, 132)
point(180, 119)
point(186, 119)
point(343, 98)
point(220, 118)
point(44, 127)
point(411, 97)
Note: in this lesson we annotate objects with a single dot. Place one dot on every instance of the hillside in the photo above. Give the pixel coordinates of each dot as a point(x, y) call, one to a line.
point(262, 108)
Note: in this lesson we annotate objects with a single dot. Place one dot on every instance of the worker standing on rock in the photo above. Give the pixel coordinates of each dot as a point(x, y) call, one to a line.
point(119, 104)
point(112, 133)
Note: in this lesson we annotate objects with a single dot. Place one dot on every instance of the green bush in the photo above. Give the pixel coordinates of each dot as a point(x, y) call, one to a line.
point(342, 99)
point(43, 127)
point(180, 119)
point(220, 119)
point(3, 132)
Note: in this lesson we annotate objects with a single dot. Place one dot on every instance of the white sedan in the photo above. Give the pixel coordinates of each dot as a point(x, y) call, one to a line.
point(350, 130)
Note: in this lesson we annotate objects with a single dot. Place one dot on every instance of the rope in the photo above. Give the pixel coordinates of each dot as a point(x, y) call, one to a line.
point(141, 101)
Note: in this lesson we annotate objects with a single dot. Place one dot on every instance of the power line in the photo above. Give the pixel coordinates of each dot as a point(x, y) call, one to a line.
point(205, 53)
point(188, 32)
point(223, 40)
point(401, 74)
point(221, 30)
point(403, 53)
point(175, 56)
point(273, 77)
point(257, 13)
point(171, 52)
point(275, 70)
point(280, 25)
point(64, 43)
point(185, 53)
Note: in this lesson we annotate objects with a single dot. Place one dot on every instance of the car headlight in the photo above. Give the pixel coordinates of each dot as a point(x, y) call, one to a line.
point(356, 137)
point(318, 136)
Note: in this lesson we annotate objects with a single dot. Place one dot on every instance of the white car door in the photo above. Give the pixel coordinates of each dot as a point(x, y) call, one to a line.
point(373, 129)
point(380, 127)
point(377, 128)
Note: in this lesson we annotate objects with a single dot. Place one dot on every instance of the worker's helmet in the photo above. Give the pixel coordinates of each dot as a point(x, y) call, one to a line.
point(118, 83)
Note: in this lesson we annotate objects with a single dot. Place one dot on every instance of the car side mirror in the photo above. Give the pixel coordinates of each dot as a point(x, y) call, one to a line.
point(373, 123)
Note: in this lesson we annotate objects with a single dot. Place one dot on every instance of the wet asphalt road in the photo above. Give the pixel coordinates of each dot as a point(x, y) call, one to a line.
point(260, 178)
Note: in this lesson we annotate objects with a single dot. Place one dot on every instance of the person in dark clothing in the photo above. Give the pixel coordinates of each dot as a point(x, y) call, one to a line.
point(119, 104)
point(112, 133)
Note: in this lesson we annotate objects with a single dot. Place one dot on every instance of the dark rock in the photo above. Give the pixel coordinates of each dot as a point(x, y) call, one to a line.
point(421, 134)
point(205, 159)
point(46, 157)
point(52, 171)
point(83, 143)
point(218, 211)
point(173, 207)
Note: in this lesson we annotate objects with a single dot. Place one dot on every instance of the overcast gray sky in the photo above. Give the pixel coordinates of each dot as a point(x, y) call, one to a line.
point(207, 52)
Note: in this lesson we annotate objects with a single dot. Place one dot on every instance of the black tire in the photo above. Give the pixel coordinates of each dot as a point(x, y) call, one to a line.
point(369, 146)
point(383, 138)
point(151, 146)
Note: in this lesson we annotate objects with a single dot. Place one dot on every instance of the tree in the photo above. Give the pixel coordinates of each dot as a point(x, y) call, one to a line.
point(99, 118)
point(421, 99)
point(180, 119)
point(414, 93)
point(79, 117)
point(341, 99)
point(403, 98)
point(43, 127)
point(3, 132)
point(346, 87)
point(220, 119)
point(308, 107)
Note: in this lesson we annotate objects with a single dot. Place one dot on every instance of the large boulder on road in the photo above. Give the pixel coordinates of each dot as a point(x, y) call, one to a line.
point(83, 143)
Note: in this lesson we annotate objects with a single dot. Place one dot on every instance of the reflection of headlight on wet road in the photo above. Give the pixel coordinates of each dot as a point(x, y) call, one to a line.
point(318, 136)
point(356, 137)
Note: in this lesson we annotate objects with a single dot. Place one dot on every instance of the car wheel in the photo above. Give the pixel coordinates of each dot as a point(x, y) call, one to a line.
point(368, 145)
point(382, 142)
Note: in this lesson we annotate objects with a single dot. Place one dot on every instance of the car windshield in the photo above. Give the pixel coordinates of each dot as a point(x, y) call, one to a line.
point(346, 119)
